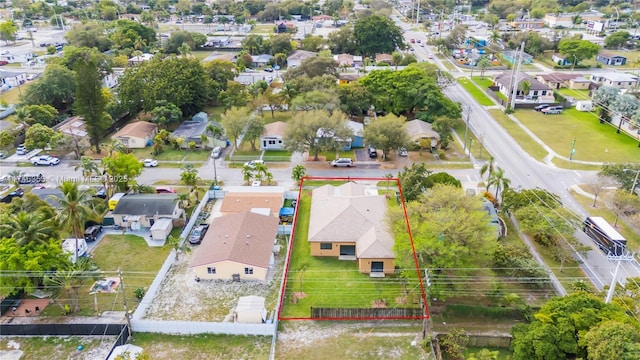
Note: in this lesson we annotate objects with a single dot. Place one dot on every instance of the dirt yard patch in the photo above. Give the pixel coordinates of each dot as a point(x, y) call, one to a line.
point(182, 298)
point(59, 347)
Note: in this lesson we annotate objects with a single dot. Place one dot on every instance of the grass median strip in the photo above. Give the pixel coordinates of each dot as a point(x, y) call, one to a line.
point(474, 91)
point(519, 135)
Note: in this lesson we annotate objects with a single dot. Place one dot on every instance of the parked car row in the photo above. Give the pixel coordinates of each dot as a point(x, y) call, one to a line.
point(548, 109)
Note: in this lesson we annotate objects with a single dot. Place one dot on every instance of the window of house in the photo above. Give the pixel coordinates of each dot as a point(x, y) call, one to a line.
point(279, 141)
point(211, 270)
point(535, 93)
point(326, 246)
point(272, 142)
point(248, 271)
point(619, 83)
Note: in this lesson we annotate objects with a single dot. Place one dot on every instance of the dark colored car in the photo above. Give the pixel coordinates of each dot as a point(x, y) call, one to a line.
point(372, 152)
point(15, 193)
point(92, 232)
point(540, 107)
point(197, 234)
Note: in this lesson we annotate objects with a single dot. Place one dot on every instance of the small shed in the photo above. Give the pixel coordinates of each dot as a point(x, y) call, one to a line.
point(584, 105)
point(286, 215)
point(161, 229)
point(250, 310)
point(70, 246)
point(200, 117)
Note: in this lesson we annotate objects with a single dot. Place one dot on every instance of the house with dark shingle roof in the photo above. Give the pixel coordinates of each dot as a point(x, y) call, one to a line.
point(193, 131)
point(349, 222)
point(611, 59)
point(537, 90)
point(237, 247)
point(143, 210)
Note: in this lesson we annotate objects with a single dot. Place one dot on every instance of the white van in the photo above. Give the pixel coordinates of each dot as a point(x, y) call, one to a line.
point(215, 153)
point(69, 245)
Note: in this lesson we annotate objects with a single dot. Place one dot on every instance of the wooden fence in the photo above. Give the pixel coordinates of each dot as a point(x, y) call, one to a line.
point(365, 313)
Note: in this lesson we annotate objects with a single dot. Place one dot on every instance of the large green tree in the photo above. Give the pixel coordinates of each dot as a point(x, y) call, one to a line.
point(56, 87)
point(90, 35)
point(440, 239)
point(23, 266)
point(180, 81)
point(234, 122)
point(220, 73)
point(413, 180)
point(90, 101)
point(622, 173)
point(559, 326)
point(39, 136)
point(376, 34)
point(121, 170)
point(578, 50)
point(387, 133)
point(44, 114)
point(316, 131)
point(612, 340)
point(8, 31)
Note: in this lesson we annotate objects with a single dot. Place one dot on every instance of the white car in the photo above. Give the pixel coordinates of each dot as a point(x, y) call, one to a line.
point(342, 162)
point(252, 164)
point(21, 150)
point(150, 162)
point(45, 160)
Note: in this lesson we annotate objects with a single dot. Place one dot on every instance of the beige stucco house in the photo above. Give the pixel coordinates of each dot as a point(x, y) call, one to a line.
point(237, 247)
point(349, 222)
point(136, 135)
point(264, 202)
point(422, 130)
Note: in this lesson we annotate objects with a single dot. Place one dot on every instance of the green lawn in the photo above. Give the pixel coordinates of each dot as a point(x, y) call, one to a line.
point(138, 262)
point(474, 91)
point(329, 282)
point(519, 135)
point(576, 94)
point(594, 141)
point(201, 55)
point(13, 96)
point(262, 28)
point(203, 346)
point(483, 82)
point(331, 155)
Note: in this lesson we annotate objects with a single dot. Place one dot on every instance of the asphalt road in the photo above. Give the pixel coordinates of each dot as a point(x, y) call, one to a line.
point(526, 172)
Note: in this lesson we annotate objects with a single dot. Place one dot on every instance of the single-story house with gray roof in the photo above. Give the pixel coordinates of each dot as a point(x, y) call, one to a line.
point(137, 211)
point(49, 195)
point(193, 131)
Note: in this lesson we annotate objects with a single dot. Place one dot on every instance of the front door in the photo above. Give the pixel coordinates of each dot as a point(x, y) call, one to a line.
point(347, 250)
point(377, 266)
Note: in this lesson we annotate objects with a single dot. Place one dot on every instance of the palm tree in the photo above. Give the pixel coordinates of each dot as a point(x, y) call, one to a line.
point(177, 245)
point(287, 94)
point(483, 64)
point(25, 227)
point(183, 202)
point(72, 278)
point(75, 209)
point(498, 180)
point(396, 57)
point(189, 177)
point(525, 87)
point(247, 174)
point(298, 173)
point(261, 171)
point(487, 168)
point(88, 166)
point(15, 176)
point(214, 131)
point(204, 141)
point(116, 147)
point(184, 49)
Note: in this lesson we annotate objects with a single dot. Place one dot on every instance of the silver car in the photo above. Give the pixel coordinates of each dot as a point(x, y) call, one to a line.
point(342, 162)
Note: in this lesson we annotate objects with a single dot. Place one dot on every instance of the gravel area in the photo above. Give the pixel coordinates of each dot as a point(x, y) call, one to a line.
point(182, 298)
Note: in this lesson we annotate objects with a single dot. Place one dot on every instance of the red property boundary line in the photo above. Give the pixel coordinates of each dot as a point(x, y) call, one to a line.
point(415, 257)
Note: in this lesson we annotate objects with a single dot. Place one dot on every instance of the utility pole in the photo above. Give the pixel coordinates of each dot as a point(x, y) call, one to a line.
point(466, 128)
point(124, 303)
point(517, 76)
point(612, 287)
point(418, 13)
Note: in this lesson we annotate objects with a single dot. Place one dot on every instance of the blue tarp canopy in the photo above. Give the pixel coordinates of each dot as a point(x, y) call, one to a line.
point(286, 211)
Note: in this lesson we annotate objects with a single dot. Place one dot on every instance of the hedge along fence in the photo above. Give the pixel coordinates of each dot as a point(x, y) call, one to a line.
point(483, 311)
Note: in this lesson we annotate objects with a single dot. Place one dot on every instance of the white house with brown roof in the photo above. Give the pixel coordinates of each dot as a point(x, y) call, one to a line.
point(273, 136)
point(384, 58)
point(136, 135)
point(349, 222)
point(537, 91)
point(237, 247)
point(298, 56)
